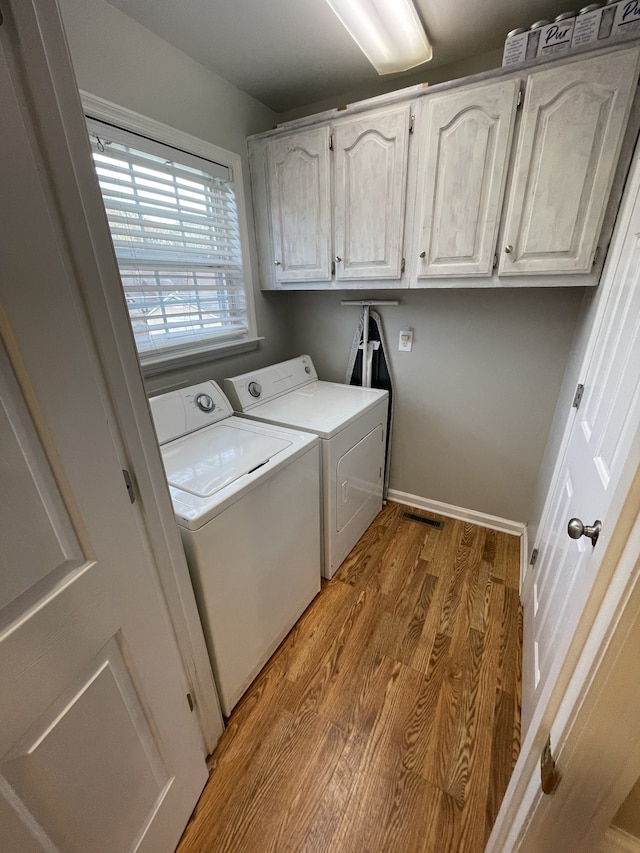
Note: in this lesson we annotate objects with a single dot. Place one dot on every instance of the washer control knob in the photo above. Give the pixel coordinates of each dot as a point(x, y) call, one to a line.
point(205, 403)
point(254, 388)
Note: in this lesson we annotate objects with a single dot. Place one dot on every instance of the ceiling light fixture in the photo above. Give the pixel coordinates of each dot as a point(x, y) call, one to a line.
point(388, 32)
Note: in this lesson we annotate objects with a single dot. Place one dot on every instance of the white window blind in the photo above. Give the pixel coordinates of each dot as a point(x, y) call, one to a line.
point(174, 225)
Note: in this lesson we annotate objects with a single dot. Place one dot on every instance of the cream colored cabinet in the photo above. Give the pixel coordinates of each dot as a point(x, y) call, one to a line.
point(329, 201)
point(370, 184)
point(464, 147)
point(573, 121)
point(298, 176)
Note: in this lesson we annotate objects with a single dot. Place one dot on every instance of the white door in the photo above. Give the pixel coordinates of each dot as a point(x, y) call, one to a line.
point(465, 142)
point(98, 748)
point(603, 433)
point(370, 186)
point(573, 123)
point(298, 174)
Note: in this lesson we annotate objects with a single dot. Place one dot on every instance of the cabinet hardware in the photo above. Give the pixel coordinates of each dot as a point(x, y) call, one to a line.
point(495, 260)
point(331, 142)
point(508, 249)
point(423, 254)
point(338, 259)
point(519, 101)
point(412, 120)
point(402, 265)
point(333, 267)
point(534, 557)
point(190, 702)
point(277, 263)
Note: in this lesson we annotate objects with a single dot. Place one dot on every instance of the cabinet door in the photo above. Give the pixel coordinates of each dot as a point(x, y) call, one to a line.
point(370, 187)
point(299, 198)
point(573, 122)
point(465, 140)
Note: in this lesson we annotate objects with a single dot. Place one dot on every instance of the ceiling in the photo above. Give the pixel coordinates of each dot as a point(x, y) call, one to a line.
point(290, 53)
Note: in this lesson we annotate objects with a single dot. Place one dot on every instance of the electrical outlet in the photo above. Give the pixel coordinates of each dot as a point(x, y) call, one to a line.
point(405, 344)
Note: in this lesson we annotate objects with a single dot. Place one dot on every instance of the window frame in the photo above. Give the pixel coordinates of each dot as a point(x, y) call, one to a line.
point(128, 120)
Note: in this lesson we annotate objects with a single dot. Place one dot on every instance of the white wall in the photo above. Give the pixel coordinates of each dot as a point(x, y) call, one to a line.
point(117, 59)
point(475, 398)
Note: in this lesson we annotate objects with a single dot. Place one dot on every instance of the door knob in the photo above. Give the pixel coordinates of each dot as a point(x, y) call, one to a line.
point(576, 529)
point(508, 249)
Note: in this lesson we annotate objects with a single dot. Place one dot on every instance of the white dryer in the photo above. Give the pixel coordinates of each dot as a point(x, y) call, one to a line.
point(351, 423)
point(246, 499)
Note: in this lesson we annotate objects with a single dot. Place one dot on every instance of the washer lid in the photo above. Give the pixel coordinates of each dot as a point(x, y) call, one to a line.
point(213, 457)
point(323, 408)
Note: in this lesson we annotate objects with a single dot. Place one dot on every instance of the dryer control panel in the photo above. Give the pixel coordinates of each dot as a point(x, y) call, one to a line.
point(188, 409)
point(259, 386)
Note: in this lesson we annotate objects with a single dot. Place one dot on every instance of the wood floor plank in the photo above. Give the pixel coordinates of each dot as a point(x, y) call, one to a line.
point(389, 718)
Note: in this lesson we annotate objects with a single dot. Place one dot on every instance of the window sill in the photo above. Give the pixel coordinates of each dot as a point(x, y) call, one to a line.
point(155, 366)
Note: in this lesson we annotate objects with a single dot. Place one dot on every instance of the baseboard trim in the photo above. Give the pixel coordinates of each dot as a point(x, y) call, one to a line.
point(618, 841)
point(504, 525)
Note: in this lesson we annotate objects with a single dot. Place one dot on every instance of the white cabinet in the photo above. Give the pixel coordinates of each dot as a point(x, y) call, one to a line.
point(496, 196)
point(329, 201)
point(573, 122)
point(299, 185)
point(370, 184)
point(464, 143)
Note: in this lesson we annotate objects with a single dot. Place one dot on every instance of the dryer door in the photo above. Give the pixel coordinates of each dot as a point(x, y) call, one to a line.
point(359, 477)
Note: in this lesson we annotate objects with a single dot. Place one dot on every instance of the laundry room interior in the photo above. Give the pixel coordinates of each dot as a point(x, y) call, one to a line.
point(478, 428)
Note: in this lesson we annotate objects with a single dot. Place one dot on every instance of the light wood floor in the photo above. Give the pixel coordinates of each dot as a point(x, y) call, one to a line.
point(389, 719)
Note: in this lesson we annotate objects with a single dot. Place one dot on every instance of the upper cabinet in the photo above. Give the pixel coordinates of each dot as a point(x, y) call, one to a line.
point(572, 125)
point(299, 185)
point(504, 182)
point(329, 202)
point(370, 184)
point(465, 142)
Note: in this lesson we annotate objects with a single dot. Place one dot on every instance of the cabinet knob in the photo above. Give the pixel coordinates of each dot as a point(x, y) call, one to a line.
point(423, 254)
point(277, 263)
point(508, 249)
point(338, 259)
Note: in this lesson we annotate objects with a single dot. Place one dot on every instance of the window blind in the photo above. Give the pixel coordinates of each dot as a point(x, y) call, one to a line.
point(175, 230)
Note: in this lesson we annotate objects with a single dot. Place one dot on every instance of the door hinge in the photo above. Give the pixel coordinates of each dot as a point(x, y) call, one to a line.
point(333, 267)
point(331, 142)
point(534, 557)
point(549, 774)
point(403, 265)
point(129, 485)
point(495, 260)
point(578, 397)
point(520, 97)
point(412, 123)
point(596, 255)
point(190, 702)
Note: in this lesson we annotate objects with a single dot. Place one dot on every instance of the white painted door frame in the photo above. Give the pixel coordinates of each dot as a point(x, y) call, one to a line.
point(56, 106)
point(568, 694)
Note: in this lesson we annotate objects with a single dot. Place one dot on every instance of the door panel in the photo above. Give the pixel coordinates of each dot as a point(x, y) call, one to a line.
point(299, 194)
point(572, 128)
point(98, 747)
point(605, 430)
point(370, 187)
point(465, 144)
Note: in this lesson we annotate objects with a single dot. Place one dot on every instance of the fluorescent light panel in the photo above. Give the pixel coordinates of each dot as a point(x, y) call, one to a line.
point(388, 32)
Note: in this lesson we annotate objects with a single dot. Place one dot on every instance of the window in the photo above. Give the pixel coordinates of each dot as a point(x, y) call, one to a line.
point(176, 232)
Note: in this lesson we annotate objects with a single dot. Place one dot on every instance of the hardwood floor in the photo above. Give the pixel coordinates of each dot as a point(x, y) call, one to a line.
point(389, 718)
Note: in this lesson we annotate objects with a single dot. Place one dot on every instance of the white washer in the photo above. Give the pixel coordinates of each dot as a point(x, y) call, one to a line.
point(351, 423)
point(246, 499)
